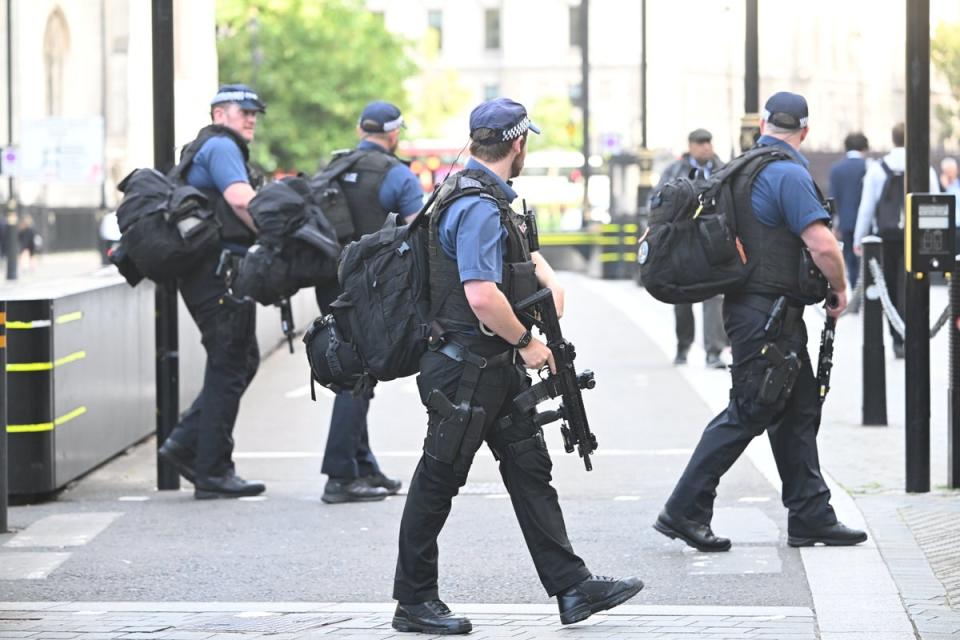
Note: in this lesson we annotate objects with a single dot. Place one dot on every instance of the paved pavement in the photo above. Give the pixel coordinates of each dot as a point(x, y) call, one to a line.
point(112, 556)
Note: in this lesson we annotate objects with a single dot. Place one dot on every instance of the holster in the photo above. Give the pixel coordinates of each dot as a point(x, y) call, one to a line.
point(780, 375)
point(456, 436)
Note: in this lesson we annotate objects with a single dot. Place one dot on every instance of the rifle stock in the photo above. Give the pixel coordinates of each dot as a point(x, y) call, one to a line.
point(540, 310)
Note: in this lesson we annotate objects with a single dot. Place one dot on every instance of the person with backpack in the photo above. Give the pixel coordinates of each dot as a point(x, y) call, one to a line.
point(201, 445)
point(374, 182)
point(700, 162)
point(846, 186)
point(881, 213)
point(782, 223)
point(479, 266)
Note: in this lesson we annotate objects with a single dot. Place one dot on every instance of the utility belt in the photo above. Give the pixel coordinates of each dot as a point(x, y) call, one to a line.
point(792, 314)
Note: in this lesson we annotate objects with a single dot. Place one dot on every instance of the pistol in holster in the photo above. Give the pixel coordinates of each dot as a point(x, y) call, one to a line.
point(779, 376)
point(458, 433)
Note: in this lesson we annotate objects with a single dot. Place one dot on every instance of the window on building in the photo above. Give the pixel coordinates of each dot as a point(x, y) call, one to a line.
point(576, 94)
point(435, 23)
point(56, 43)
point(491, 20)
point(575, 25)
point(491, 91)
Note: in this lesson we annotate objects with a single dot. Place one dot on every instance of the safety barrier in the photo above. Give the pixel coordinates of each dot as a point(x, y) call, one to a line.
point(3, 418)
point(610, 250)
point(81, 373)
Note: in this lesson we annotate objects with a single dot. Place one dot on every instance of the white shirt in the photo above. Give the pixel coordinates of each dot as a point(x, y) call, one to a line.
point(873, 182)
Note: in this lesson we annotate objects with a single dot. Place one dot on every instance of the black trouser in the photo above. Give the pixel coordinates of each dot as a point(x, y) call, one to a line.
point(895, 276)
point(791, 423)
point(347, 454)
point(228, 334)
point(851, 259)
point(714, 339)
point(525, 467)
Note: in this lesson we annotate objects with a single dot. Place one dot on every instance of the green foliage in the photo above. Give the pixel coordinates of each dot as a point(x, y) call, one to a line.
point(945, 54)
point(560, 123)
point(315, 63)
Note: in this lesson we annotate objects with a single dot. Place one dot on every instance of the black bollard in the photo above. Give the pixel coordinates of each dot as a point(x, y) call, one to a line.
point(874, 407)
point(953, 392)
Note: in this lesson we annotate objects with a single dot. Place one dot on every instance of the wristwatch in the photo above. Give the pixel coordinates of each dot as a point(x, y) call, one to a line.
point(524, 340)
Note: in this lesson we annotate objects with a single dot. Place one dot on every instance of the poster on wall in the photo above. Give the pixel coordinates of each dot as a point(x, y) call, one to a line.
point(61, 151)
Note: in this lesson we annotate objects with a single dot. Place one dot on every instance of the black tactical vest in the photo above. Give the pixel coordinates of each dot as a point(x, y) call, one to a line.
point(448, 301)
point(231, 227)
point(361, 184)
point(774, 252)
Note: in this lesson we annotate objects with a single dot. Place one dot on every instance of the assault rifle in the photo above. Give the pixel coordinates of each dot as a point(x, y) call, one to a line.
point(539, 309)
point(825, 361)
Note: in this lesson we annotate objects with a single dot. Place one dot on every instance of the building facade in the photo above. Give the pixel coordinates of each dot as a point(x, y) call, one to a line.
point(88, 64)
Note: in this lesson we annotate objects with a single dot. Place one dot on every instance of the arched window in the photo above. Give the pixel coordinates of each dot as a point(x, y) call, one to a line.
point(56, 43)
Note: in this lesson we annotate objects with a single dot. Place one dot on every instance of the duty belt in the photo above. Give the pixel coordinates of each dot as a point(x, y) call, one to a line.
point(792, 317)
point(460, 353)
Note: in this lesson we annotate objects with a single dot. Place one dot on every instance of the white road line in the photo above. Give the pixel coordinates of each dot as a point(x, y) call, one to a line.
point(133, 498)
point(626, 498)
point(304, 391)
point(30, 565)
point(66, 530)
point(835, 596)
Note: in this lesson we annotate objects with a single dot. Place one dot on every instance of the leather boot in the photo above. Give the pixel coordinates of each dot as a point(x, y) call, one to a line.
point(430, 617)
point(596, 593)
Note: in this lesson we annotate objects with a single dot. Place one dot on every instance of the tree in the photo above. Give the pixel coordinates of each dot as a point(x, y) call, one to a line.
point(315, 63)
point(560, 122)
point(945, 54)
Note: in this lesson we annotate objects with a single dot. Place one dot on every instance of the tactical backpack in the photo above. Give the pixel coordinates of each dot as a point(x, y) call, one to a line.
point(334, 362)
point(690, 251)
point(889, 213)
point(167, 226)
point(296, 245)
point(330, 197)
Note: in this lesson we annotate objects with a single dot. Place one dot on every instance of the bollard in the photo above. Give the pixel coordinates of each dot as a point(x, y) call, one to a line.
point(953, 391)
point(4, 478)
point(618, 249)
point(874, 406)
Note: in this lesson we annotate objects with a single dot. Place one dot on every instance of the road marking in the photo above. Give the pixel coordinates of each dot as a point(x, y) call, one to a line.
point(304, 391)
point(252, 498)
point(133, 498)
point(753, 499)
point(66, 530)
point(30, 565)
point(626, 498)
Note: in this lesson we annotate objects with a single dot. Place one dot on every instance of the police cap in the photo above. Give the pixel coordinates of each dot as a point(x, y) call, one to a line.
point(786, 110)
point(380, 117)
point(504, 117)
point(241, 94)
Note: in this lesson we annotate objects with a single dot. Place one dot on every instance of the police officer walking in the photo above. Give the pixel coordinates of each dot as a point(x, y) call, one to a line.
point(480, 265)
point(201, 445)
point(375, 182)
point(781, 217)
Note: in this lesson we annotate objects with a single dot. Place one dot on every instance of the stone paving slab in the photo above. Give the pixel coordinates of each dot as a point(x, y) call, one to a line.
point(172, 621)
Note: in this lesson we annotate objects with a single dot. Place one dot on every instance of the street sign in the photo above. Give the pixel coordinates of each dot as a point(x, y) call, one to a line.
point(61, 150)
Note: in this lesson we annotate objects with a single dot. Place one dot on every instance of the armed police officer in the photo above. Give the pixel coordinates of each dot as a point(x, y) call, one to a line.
point(374, 182)
point(201, 445)
point(480, 265)
point(780, 216)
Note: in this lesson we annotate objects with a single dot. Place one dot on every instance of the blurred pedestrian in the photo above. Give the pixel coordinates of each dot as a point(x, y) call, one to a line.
point(779, 214)
point(29, 243)
point(948, 176)
point(201, 445)
point(846, 186)
point(881, 213)
point(699, 162)
point(374, 182)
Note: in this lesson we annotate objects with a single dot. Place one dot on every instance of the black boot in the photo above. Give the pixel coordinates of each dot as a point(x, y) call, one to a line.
point(180, 457)
point(596, 593)
point(226, 486)
point(356, 490)
point(835, 535)
point(696, 534)
point(430, 617)
point(381, 480)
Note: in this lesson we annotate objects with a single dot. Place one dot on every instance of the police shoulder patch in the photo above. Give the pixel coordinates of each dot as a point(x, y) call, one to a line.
point(467, 182)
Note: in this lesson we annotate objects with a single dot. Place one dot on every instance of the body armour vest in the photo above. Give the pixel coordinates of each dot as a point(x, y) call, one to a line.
point(361, 184)
point(775, 252)
point(231, 227)
point(448, 300)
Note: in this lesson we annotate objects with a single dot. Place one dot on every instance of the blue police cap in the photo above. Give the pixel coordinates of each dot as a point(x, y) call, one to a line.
point(506, 118)
point(786, 110)
point(380, 117)
point(243, 95)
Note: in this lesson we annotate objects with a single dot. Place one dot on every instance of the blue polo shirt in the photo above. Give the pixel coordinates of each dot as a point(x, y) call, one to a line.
point(400, 191)
point(217, 165)
point(470, 233)
point(784, 194)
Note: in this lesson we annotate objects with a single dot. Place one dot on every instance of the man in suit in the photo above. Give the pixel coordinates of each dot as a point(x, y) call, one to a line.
point(846, 186)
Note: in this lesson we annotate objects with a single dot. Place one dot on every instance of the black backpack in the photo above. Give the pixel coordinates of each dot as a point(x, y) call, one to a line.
point(690, 251)
point(296, 245)
point(167, 226)
point(889, 213)
point(329, 195)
